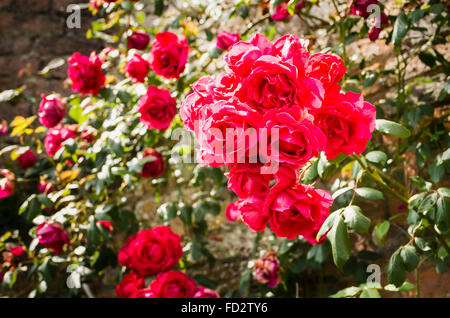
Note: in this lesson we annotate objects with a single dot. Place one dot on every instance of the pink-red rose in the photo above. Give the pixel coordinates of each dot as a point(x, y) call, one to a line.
point(173, 284)
point(327, 68)
point(157, 108)
point(267, 269)
point(106, 224)
point(246, 180)
point(203, 292)
point(151, 251)
point(56, 136)
point(138, 40)
point(51, 110)
point(27, 159)
point(225, 40)
point(168, 55)
point(154, 168)
point(297, 210)
point(86, 73)
point(3, 127)
point(6, 183)
point(45, 186)
point(137, 68)
point(130, 285)
point(347, 121)
point(52, 236)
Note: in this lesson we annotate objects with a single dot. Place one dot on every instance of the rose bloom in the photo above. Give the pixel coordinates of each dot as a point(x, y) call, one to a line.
point(88, 134)
point(137, 68)
point(360, 7)
point(252, 212)
point(153, 168)
point(157, 108)
point(267, 269)
point(95, 4)
point(203, 292)
point(281, 11)
point(297, 210)
point(298, 139)
point(45, 186)
point(246, 179)
point(3, 127)
point(232, 118)
point(168, 55)
point(173, 284)
point(56, 136)
point(151, 251)
point(374, 31)
point(292, 49)
point(347, 121)
point(327, 68)
point(143, 293)
point(52, 236)
point(27, 159)
point(86, 73)
point(6, 183)
point(232, 212)
point(225, 40)
point(138, 40)
point(17, 251)
point(51, 110)
point(129, 285)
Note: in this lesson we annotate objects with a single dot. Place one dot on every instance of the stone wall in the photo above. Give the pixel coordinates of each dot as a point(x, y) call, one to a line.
point(33, 33)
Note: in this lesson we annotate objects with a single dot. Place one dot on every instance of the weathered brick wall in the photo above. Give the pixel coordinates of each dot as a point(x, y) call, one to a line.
point(32, 33)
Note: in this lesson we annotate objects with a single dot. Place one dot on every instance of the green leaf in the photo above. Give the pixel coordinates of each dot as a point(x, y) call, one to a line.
point(340, 242)
point(445, 192)
point(396, 269)
point(347, 292)
point(167, 211)
point(369, 193)
point(355, 219)
point(427, 58)
point(400, 29)
point(427, 203)
point(370, 78)
point(381, 230)
point(443, 214)
point(391, 128)
point(410, 257)
point(328, 224)
point(159, 7)
point(377, 157)
point(340, 192)
point(76, 113)
point(370, 293)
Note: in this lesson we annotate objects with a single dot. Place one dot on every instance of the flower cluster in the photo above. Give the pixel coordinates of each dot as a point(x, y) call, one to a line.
point(276, 108)
point(155, 252)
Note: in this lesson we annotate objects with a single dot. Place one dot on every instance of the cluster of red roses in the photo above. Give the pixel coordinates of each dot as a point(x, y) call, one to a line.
point(155, 252)
point(278, 95)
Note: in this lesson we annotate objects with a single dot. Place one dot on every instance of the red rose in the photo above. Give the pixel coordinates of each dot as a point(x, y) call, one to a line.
point(157, 108)
point(327, 68)
point(294, 50)
point(297, 210)
point(252, 213)
point(225, 40)
point(143, 293)
point(138, 40)
point(51, 110)
point(17, 251)
point(168, 55)
point(232, 212)
point(347, 121)
point(6, 183)
point(360, 7)
point(173, 284)
point(56, 136)
point(152, 251)
point(106, 224)
point(298, 139)
point(154, 168)
point(3, 127)
point(52, 236)
point(27, 159)
point(86, 73)
point(246, 180)
point(232, 118)
point(45, 186)
point(88, 134)
point(377, 26)
point(129, 285)
point(137, 68)
point(203, 292)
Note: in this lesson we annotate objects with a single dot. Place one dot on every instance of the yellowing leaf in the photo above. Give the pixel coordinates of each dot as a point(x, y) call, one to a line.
point(39, 130)
point(69, 175)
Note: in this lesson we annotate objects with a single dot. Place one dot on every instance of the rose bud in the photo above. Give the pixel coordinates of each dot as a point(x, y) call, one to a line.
point(27, 159)
point(137, 68)
point(129, 285)
point(52, 236)
point(6, 183)
point(267, 269)
point(203, 292)
point(45, 186)
point(157, 108)
point(153, 168)
point(51, 110)
point(3, 127)
point(138, 40)
point(106, 224)
point(225, 40)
